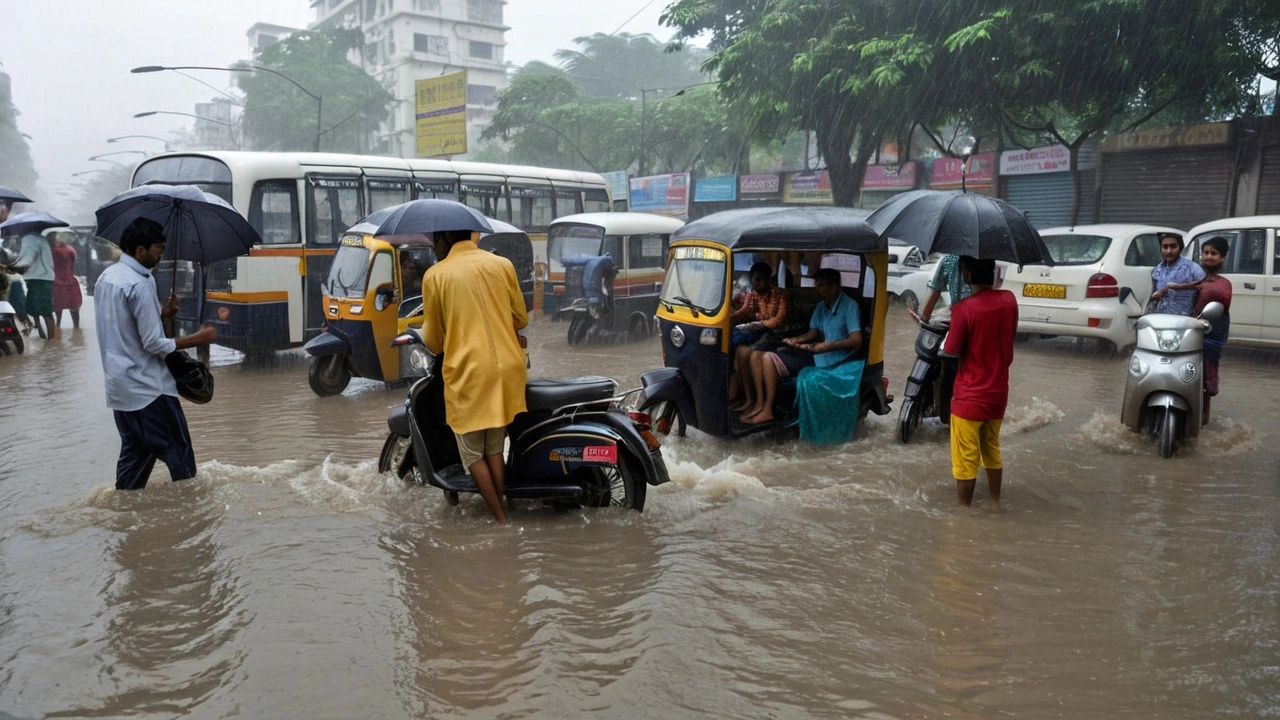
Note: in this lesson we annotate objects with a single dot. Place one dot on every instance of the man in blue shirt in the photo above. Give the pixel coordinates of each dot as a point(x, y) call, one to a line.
point(1174, 282)
point(133, 336)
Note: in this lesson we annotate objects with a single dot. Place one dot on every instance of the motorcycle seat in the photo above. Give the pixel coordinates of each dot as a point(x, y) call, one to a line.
point(551, 393)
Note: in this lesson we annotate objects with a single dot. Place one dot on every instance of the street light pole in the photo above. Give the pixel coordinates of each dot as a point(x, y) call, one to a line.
point(149, 113)
point(120, 152)
point(149, 137)
point(250, 68)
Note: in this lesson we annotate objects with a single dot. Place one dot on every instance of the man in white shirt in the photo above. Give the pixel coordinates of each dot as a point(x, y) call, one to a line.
point(133, 336)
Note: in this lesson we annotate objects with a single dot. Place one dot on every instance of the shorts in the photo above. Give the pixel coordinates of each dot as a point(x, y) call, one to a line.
point(974, 442)
point(789, 361)
point(40, 297)
point(475, 445)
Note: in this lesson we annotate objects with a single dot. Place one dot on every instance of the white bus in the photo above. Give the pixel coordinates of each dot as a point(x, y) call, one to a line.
point(301, 203)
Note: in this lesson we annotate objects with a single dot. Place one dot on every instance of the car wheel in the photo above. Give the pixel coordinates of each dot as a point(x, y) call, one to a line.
point(911, 301)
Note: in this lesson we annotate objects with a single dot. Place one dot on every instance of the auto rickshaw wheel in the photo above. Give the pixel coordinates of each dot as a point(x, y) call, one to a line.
point(638, 328)
point(329, 375)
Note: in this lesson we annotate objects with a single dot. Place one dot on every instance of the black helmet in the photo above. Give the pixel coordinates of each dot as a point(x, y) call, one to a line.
point(194, 380)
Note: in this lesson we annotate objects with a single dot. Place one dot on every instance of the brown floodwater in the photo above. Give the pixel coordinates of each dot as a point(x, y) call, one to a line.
point(769, 579)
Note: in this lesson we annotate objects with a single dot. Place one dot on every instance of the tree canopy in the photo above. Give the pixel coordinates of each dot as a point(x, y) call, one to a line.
point(16, 168)
point(279, 115)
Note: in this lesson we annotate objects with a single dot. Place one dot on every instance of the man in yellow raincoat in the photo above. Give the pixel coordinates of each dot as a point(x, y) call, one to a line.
point(472, 309)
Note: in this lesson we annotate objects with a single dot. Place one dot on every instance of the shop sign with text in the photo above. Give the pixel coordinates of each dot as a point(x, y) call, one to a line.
point(976, 171)
point(890, 177)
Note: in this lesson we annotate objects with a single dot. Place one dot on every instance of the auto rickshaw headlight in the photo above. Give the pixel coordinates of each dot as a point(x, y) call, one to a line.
point(677, 336)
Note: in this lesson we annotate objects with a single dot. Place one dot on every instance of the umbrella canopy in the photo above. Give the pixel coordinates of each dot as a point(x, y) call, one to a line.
point(198, 226)
point(787, 228)
point(424, 216)
point(961, 223)
point(8, 194)
point(30, 222)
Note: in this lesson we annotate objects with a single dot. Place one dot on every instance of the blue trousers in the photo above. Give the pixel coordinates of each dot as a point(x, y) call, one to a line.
point(158, 430)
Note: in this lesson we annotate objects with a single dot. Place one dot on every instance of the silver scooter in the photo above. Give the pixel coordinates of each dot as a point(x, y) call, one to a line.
point(1164, 389)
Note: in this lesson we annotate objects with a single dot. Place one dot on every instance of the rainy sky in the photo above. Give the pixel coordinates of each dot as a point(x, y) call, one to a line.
point(69, 62)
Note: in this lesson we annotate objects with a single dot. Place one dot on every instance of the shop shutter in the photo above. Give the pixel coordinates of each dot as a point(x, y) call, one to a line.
point(1046, 197)
point(1177, 188)
point(1269, 184)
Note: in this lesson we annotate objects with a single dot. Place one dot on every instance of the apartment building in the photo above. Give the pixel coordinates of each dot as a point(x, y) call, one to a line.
point(409, 40)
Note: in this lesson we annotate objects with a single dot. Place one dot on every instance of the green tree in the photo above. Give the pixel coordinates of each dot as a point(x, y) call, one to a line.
point(16, 168)
point(279, 115)
point(620, 66)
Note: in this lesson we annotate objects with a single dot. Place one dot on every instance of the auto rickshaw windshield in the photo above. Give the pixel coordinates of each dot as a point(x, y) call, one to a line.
point(695, 277)
point(348, 276)
point(568, 240)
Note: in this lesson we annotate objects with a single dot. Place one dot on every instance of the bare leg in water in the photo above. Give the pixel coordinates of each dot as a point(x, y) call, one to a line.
point(485, 482)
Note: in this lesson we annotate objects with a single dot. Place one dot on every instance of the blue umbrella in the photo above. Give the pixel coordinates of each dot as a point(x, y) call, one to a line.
point(8, 194)
point(198, 226)
point(424, 216)
point(30, 222)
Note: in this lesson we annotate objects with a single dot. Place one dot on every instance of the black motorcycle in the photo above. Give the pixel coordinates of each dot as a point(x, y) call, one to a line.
point(573, 445)
point(928, 391)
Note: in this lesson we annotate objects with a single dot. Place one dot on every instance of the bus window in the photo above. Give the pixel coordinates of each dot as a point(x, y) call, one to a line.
point(334, 206)
point(490, 200)
point(444, 189)
point(208, 174)
point(613, 248)
point(646, 251)
point(568, 202)
point(532, 208)
point(385, 193)
point(597, 200)
point(273, 211)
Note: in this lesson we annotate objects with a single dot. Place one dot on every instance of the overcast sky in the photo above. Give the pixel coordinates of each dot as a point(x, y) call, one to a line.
point(69, 61)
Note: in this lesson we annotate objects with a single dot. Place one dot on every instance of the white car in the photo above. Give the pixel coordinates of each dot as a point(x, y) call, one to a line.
point(1253, 267)
point(915, 285)
point(1082, 294)
point(904, 259)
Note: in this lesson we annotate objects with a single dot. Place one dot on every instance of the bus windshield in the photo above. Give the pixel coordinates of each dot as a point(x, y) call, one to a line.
point(348, 276)
point(568, 240)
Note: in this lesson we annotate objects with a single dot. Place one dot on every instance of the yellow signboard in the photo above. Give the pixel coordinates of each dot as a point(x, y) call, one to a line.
point(441, 107)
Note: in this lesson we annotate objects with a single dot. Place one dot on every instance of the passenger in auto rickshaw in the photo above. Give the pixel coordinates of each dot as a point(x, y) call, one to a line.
point(828, 377)
point(759, 321)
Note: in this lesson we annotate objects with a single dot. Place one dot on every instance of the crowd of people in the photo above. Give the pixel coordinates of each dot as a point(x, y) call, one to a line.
point(37, 277)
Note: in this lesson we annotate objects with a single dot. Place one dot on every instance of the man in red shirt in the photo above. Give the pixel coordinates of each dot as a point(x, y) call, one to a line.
point(981, 336)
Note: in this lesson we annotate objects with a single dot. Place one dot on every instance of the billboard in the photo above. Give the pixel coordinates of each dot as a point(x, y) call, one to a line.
point(441, 115)
point(662, 194)
point(975, 171)
point(715, 189)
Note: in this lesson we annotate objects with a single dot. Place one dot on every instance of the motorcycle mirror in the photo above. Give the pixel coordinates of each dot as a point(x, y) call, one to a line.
point(1212, 311)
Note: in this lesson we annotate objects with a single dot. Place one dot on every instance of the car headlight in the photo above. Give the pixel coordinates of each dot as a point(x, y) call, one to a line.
point(1137, 367)
point(1169, 340)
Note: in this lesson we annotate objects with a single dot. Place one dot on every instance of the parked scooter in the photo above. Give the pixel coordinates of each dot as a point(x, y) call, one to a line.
point(928, 391)
point(573, 445)
point(10, 333)
point(1164, 390)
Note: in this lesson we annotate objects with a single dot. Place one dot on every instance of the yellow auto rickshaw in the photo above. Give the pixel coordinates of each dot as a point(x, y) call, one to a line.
point(708, 264)
point(374, 292)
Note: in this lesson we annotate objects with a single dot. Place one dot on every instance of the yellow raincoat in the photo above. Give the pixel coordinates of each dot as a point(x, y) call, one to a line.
point(472, 309)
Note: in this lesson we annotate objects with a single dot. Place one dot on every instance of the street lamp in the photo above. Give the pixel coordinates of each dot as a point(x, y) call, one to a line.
point(149, 113)
point(149, 137)
point(644, 95)
point(250, 68)
point(90, 172)
point(119, 152)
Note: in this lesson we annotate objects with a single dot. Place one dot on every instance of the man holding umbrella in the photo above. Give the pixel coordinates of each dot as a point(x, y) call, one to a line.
point(133, 338)
point(472, 309)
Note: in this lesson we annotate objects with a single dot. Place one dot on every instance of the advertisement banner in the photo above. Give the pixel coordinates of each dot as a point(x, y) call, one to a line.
point(715, 189)
point(979, 171)
point(808, 188)
point(1191, 136)
point(441, 112)
point(1051, 158)
point(617, 181)
point(661, 194)
point(890, 177)
point(758, 185)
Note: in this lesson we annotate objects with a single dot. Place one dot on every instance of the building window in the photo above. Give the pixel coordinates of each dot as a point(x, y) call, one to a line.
point(481, 50)
point(432, 44)
point(482, 95)
point(485, 11)
point(426, 5)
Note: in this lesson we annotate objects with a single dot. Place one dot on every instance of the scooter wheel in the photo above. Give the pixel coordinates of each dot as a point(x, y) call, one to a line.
point(578, 328)
point(451, 497)
point(622, 485)
point(1168, 432)
point(908, 419)
point(19, 344)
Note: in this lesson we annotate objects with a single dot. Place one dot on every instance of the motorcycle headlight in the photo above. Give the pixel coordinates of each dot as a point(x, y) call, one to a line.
point(1137, 367)
point(1169, 340)
point(418, 359)
point(929, 340)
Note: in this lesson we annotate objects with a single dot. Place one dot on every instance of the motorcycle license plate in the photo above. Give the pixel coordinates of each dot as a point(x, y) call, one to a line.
point(1045, 290)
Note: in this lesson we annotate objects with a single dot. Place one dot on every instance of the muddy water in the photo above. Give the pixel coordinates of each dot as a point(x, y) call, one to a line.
point(768, 579)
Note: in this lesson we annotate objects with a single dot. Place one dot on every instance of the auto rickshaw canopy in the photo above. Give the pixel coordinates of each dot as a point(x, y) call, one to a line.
point(800, 229)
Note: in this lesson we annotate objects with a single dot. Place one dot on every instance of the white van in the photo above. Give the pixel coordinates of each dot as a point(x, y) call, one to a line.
point(1253, 267)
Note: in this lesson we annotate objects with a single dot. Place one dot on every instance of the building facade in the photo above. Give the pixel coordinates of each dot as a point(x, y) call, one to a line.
point(410, 40)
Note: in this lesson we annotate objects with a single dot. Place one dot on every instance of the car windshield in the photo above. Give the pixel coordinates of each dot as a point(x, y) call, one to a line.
point(695, 278)
point(1076, 249)
point(568, 240)
point(349, 273)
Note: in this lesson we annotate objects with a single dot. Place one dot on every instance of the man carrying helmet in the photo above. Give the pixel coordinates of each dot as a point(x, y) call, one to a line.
point(134, 336)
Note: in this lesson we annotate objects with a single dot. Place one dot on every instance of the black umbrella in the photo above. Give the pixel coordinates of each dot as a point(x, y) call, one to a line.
point(961, 223)
point(30, 222)
point(199, 227)
point(425, 216)
point(8, 194)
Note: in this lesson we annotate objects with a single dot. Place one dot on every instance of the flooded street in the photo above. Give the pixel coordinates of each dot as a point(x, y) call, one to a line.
point(769, 579)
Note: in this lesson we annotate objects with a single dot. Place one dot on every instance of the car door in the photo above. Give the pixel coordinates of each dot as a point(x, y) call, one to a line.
point(1269, 333)
point(1245, 267)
